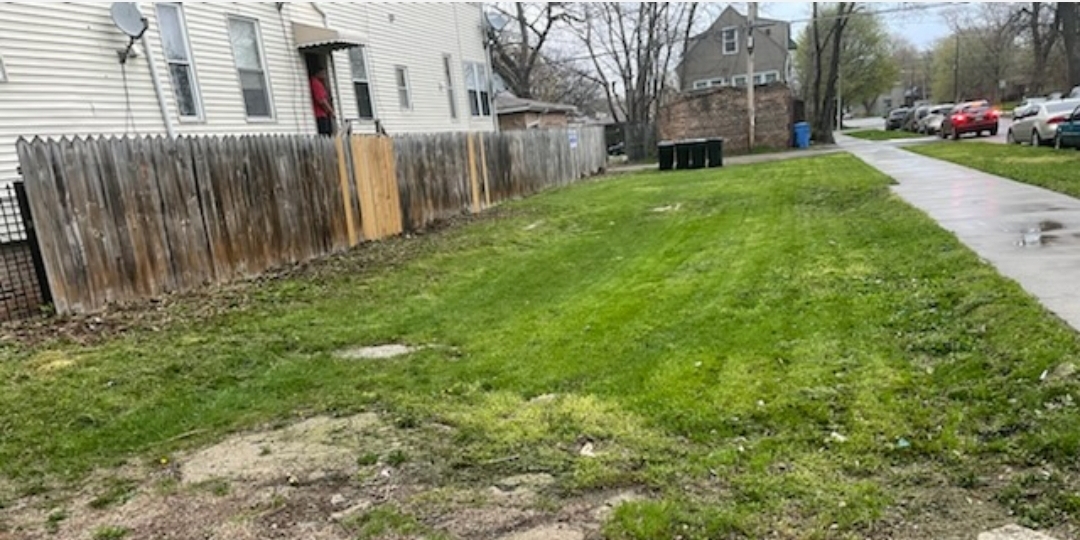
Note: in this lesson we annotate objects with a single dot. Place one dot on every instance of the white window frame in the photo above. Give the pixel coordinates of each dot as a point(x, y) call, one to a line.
point(408, 105)
point(262, 64)
point(734, 41)
point(698, 85)
point(483, 87)
point(3, 70)
point(362, 51)
point(451, 95)
point(774, 73)
point(735, 81)
point(196, 95)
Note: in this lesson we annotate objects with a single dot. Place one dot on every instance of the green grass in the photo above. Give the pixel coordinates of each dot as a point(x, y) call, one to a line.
point(110, 533)
point(709, 352)
point(1046, 167)
point(882, 135)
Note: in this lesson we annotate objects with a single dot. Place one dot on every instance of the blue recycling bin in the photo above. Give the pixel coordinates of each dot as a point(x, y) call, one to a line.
point(802, 135)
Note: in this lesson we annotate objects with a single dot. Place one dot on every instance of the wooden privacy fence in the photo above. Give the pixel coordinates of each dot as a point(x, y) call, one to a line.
point(125, 218)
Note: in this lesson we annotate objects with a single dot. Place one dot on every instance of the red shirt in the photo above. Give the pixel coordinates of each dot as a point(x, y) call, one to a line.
point(318, 95)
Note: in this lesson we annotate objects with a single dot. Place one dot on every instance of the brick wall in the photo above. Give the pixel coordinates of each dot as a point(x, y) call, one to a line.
point(721, 112)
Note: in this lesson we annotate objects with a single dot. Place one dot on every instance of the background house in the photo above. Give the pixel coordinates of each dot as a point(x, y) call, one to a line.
point(518, 113)
point(236, 68)
point(718, 56)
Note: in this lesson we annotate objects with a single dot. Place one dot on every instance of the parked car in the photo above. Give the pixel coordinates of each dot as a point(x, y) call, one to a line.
point(1068, 131)
point(931, 123)
point(1075, 93)
point(1026, 104)
point(1038, 125)
point(970, 117)
point(911, 121)
point(895, 119)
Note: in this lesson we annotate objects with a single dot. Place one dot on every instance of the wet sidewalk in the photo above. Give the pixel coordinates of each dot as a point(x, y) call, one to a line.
point(1030, 234)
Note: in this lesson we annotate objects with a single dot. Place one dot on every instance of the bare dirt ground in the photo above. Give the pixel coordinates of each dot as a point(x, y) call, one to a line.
point(322, 479)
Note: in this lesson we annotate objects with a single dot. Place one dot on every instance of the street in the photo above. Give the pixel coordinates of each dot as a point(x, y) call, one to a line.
point(879, 123)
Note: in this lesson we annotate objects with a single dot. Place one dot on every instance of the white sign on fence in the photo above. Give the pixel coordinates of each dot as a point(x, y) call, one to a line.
point(573, 136)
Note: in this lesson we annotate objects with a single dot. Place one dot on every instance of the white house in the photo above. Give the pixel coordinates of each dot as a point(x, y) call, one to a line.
point(239, 67)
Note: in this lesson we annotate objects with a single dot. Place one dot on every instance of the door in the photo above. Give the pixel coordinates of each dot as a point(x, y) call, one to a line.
point(320, 90)
point(1070, 131)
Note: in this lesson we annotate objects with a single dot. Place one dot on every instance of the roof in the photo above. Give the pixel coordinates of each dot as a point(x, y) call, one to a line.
point(326, 39)
point(507, 103)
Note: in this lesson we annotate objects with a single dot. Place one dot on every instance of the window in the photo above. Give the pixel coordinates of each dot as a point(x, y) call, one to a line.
point(250, 67)
point(730, 38)
point(772, 77)
point(401, 75)
point(174, 40)
point(449, 86)
point(759, 78)
point(361, 83)
point(739, 80)
point(710, 83)
point(476, 84)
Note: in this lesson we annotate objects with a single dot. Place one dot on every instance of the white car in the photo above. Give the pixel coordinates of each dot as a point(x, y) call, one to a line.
point(1038, 124)
point(931, 123)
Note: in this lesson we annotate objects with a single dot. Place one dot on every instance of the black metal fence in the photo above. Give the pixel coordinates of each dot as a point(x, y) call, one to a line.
point(23, 287)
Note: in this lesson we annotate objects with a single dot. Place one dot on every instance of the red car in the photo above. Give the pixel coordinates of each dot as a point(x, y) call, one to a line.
point(970, 117)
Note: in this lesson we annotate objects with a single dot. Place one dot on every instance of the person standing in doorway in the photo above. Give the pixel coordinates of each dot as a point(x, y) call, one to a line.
point(324, 110)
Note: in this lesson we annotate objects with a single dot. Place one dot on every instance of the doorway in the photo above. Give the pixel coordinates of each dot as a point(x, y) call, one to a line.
point(321, 89)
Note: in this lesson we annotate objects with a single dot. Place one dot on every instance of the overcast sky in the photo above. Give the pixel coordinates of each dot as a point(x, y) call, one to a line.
point(922, 26)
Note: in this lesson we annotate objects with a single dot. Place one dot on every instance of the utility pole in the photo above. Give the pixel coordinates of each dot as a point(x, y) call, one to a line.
point(956, 70)
point(751, 19)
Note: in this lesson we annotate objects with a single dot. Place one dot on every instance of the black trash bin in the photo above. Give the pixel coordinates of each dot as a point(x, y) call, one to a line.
point(715, 148)
point(697, 154)
point(682, 154)
point(665, 153)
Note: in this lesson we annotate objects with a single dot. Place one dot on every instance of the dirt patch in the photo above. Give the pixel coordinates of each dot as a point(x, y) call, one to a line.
point(318, 446)
point(377, 352)
point(323, 479)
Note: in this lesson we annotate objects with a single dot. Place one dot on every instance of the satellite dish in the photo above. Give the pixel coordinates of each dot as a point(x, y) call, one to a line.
point(128, 19)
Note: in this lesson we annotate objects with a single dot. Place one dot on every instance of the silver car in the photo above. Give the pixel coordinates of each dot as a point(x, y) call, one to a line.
point(931, 123)
point(1028, 103)
point(1038, 124)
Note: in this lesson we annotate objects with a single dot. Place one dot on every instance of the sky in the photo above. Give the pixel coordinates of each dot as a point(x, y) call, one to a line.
point(923, 25)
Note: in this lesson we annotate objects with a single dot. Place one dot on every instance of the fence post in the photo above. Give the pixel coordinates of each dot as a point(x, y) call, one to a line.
point(32, 242)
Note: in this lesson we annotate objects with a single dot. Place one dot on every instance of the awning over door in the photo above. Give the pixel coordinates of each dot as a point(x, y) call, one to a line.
point(317, 38)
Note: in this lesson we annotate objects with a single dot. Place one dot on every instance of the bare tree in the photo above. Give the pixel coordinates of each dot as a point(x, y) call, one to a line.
point(631, 46)
point(827, 33)
point(517, 47)
point(1043, 28)
point(1068, 13)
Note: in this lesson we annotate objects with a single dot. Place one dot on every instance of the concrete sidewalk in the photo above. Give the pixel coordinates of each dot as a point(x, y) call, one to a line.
point(737, 160)
point(1028, 233)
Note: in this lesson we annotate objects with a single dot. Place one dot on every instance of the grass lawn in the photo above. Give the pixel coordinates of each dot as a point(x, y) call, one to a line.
point(781, 350)
point(882, 135)
point(1046, 167)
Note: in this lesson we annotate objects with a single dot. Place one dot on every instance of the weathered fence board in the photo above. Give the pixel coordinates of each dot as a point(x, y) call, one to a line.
point(122, 219)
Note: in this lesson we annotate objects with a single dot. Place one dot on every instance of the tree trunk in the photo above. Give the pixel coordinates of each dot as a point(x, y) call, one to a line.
point(1067, 13)
point(826, 113)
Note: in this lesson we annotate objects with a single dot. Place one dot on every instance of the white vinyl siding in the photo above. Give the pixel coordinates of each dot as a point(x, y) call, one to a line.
point(365, 109)
point(3, 71)
point(401, 79)
point(245, 36)
point(450, 97)
point(730, 38)
point(63, 78)
point(477, 87)
point(177, 50)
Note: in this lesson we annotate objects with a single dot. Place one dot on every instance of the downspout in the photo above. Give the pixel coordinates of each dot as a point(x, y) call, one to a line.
point(169, 129)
